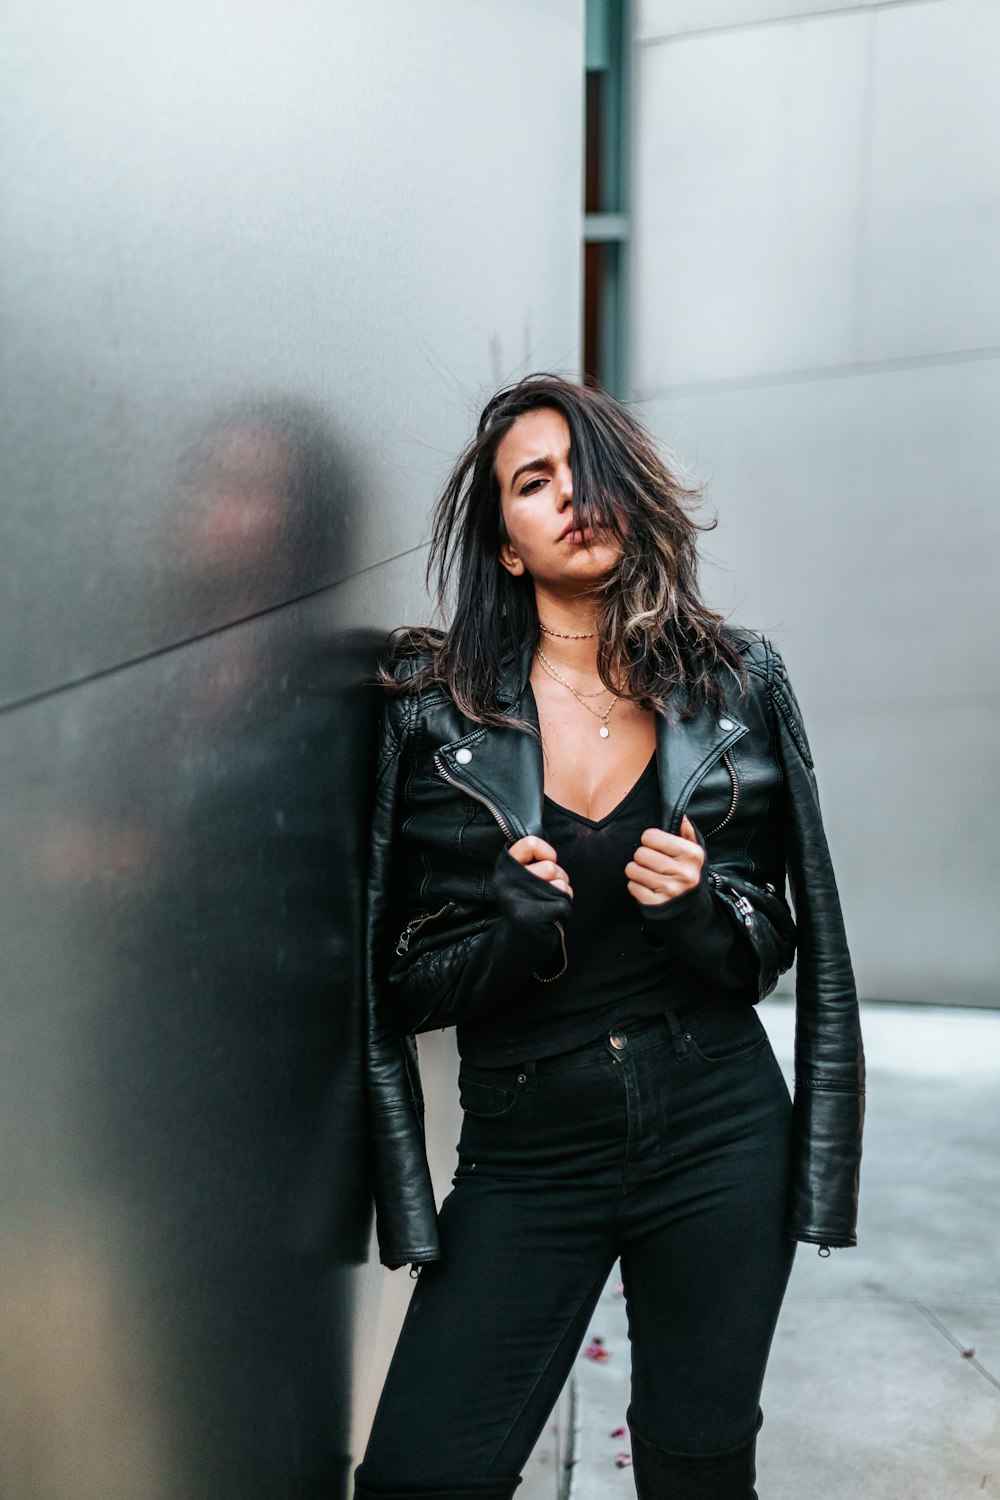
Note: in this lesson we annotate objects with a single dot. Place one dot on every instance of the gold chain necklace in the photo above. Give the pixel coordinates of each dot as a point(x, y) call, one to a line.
point(588, 635)
point(604, 731)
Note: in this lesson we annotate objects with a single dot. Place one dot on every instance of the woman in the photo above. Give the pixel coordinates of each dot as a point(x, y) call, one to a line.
point(590, 792)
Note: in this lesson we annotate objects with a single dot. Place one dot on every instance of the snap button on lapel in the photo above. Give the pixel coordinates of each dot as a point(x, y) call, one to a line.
point(463, 756)
point(726, 724)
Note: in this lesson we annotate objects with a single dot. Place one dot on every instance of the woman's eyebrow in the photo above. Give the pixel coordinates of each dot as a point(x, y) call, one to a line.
point(532, 464)
point(546, 462)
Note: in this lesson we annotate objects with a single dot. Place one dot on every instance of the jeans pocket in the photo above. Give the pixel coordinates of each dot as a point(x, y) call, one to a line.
point(487, 1100)
point(724, 1030)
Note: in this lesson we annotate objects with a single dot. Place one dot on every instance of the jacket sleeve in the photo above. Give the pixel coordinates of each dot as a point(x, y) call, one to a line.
point(520, 933)
point(405, 1216)
point(829, 1059)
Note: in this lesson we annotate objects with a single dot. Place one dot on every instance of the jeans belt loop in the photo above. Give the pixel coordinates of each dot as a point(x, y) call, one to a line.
point(680, 1045)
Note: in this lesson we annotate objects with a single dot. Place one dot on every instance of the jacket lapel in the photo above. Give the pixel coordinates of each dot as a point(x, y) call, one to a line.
point(503, 768)
point(687, 749)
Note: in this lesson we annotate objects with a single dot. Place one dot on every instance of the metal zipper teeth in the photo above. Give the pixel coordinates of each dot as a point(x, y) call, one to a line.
point(403, 944)
point(505, 827)
point(734, 777)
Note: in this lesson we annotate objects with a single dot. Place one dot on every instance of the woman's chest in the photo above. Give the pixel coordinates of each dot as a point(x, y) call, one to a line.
point(585, 770)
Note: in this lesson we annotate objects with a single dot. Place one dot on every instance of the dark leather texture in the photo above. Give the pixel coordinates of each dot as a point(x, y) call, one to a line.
point(454, 926)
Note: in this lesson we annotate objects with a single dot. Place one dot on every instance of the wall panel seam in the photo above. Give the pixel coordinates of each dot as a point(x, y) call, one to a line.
point(818, 372)
point(28, 700)
point(814, 15)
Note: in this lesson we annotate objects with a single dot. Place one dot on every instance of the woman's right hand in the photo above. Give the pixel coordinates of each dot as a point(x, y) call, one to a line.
point(540, 858)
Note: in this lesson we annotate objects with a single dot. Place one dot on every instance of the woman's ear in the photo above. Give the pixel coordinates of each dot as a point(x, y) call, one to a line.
point(510, 559)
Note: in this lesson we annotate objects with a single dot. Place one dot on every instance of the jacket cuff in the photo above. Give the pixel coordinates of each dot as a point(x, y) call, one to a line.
point(826, 1151)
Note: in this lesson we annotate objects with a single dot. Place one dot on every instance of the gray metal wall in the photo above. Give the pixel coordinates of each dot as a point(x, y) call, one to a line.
point(817, 332)
point(259, 263)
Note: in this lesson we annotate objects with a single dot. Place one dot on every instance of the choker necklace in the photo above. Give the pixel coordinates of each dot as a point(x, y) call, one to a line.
point(588, 635)
point(604, 731)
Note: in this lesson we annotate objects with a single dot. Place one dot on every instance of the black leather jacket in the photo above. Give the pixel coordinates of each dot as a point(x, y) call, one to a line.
point(448, 933)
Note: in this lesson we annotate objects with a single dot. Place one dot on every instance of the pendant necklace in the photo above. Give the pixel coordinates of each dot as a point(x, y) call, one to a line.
point(604, 731)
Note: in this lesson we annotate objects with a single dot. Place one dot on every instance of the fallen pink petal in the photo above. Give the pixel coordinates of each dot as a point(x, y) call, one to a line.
point(618, 1432)
point(597, 1352)
point(623, 1461)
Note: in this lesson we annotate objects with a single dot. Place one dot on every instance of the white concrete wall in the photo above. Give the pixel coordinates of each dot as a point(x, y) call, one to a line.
point(817, 333)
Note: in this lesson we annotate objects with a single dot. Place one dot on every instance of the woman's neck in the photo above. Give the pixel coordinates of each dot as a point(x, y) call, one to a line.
point(569, 636)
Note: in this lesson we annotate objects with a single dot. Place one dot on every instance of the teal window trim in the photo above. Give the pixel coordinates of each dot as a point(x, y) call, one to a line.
point(606, 227)
point(606, 220)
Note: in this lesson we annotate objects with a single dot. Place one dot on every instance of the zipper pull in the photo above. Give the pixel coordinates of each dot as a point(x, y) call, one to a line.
point(404, 938)
point(744, 907)
point(736, 898)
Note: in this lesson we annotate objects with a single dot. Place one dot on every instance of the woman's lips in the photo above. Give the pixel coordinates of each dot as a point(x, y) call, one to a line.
point(585, 535)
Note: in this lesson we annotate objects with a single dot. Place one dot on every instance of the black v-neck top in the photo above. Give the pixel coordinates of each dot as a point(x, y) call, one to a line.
point(613, 974)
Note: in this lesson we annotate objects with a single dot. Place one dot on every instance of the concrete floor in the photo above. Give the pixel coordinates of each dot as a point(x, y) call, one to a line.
point(884, 1381)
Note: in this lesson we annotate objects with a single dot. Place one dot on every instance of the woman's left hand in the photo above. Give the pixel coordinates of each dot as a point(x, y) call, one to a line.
point(665, 865)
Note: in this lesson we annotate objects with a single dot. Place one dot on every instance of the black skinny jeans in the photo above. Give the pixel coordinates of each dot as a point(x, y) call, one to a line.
point(664, 1143)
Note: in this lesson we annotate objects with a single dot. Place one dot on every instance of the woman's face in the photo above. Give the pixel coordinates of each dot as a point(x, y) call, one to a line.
point(536, 494)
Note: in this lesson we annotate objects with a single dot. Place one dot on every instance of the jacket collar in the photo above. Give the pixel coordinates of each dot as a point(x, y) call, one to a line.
point(514, 674)
point(504, 770)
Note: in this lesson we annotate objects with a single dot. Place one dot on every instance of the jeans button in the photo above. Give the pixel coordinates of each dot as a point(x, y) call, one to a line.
point(618, 1040)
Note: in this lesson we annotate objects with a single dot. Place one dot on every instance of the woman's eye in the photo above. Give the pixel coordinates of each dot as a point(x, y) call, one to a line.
point(530, 486)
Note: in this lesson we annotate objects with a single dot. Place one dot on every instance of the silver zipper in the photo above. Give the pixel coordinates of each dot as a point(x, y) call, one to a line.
point(734, 777)
point(411, 927)
point(505, 827)
point(735, 898)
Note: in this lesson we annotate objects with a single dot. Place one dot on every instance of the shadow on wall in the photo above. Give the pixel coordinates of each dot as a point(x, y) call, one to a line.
point(182, 1086)
point(264, 503)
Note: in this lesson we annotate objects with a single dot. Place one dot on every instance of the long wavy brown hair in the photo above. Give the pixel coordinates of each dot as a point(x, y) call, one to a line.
point(658, 642)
